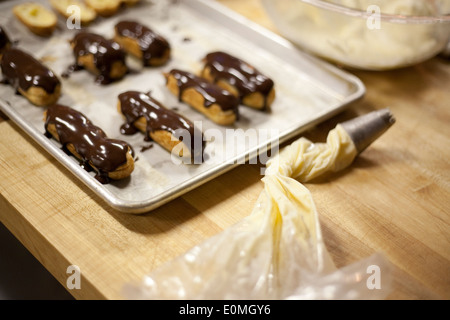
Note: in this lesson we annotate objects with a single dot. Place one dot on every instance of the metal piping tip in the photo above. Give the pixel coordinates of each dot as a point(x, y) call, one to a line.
point(364, 130)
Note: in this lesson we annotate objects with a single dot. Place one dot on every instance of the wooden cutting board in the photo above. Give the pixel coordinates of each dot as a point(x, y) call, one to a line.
point(395, 199)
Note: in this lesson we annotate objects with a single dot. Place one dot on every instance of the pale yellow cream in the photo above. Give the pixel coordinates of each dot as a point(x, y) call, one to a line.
point(368, 42)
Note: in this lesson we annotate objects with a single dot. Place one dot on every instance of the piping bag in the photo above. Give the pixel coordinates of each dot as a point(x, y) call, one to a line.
point(277, 252)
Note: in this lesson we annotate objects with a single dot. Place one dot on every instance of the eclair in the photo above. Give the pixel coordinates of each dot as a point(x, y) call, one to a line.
point(143, 43)
point(5, 42)
point(104, 8)
point(36, 17)
point(86, 13)
point(254, 89)
point(211, 100)
point(30, 77)
point(102, 57)
point(169, 129)
point(111, 159)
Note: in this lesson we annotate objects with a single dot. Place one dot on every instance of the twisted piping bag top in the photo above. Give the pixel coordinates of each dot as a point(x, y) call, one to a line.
point(277, 252)
point(304, 160)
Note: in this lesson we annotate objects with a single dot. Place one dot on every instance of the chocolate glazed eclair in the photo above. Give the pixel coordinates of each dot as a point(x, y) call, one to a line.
point(102, 57)
point(30, 77)
point(216, 103)
point(143, 43)
point(254, 89)
point(170, 130)
point(111, 159)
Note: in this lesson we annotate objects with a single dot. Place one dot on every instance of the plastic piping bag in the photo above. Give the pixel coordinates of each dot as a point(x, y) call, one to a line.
point(277, 252)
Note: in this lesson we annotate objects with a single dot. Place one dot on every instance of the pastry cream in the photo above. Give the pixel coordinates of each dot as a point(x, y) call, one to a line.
point(371, 41)
point(271, 253)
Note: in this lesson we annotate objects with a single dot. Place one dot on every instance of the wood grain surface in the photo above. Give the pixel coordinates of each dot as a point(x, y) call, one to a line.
point(395, 198)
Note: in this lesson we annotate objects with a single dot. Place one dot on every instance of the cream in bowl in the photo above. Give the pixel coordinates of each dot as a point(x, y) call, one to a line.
point(365, 34)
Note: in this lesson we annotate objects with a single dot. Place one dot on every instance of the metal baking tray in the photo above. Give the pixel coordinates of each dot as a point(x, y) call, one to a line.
point(309, 91)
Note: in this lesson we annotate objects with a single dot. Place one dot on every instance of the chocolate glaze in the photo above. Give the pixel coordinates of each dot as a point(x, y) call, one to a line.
point(211, 93)
point(89, 141)
point(145, 148)
point(22, 71)
point(135, 105)
point(104, 51)
point(238, 73)
point(152, 45)
point(5, 42)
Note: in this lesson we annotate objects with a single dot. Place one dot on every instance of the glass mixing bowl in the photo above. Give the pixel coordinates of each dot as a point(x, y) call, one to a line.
point(365, 34)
